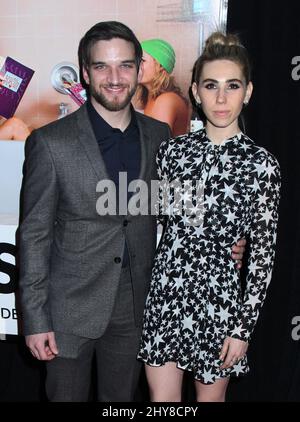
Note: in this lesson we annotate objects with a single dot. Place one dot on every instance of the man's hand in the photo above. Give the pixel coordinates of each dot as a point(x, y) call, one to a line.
point(42, 346)
point(232, 351)
point(238, 251)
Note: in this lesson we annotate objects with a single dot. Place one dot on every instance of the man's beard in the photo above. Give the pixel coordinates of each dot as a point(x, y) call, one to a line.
point(112, 105)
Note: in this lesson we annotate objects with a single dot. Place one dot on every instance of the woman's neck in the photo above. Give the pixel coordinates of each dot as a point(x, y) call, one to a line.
point(217, 134)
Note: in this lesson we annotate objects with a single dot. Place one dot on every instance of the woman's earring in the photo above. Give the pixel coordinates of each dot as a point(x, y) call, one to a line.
point(246, 103)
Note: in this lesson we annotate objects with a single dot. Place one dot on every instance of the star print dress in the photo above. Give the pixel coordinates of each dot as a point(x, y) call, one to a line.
point(218, 195)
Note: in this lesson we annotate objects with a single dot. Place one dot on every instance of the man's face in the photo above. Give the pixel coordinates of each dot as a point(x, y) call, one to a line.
point(112, 74)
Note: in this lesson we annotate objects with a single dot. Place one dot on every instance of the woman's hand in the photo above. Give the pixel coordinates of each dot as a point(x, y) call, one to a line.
point(238, 252)
point(232, 351)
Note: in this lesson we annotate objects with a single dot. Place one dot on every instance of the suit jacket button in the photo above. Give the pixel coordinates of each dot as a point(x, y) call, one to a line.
point(117, 260)
point(125, 223)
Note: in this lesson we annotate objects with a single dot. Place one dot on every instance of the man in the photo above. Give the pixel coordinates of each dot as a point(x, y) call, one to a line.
point(84, 276)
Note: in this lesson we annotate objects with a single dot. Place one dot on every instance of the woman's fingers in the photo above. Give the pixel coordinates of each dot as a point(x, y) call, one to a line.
point(232, 352)
point(230, 361)
point(224, 349)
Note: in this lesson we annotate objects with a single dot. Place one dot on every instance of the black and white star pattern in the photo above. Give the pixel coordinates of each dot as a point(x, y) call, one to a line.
point(195, 299)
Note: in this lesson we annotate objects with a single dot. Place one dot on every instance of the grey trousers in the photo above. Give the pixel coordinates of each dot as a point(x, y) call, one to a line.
point(69, 379)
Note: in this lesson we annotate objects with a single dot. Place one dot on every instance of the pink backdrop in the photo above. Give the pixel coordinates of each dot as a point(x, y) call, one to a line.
point(41, 34)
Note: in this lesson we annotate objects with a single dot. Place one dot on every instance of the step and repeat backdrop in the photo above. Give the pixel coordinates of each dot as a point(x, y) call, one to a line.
point(11, 163)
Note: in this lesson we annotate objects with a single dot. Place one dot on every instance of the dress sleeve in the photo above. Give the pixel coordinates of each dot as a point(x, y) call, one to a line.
point(163, 182)
point(262, 238)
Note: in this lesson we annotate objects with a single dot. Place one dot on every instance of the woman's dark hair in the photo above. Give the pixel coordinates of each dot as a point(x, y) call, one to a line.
point(106, 31)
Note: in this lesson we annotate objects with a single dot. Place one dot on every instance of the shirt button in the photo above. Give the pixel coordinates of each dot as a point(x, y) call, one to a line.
point(117, 260)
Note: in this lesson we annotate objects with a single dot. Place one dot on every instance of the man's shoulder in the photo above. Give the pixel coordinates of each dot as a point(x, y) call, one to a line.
point(57, 134)
point(151, 122)
point(61, 126)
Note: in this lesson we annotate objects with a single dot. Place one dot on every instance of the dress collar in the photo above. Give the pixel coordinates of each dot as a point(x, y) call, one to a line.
point(235, 139)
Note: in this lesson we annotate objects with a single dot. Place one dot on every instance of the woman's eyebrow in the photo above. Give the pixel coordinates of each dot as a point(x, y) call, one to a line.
point(227, 81)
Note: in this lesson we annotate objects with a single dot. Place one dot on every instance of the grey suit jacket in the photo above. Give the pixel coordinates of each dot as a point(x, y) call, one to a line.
point(69, 254)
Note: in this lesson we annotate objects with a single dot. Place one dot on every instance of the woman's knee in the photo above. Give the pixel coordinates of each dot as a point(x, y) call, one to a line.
point(164, 382)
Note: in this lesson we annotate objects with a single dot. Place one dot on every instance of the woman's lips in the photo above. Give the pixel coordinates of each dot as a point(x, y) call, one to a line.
point(221, 113)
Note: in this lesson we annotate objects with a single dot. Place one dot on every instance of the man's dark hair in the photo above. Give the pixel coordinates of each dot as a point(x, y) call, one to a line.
point(106, 31)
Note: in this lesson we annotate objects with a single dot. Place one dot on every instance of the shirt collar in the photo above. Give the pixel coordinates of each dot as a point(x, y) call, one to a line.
point(101, 128)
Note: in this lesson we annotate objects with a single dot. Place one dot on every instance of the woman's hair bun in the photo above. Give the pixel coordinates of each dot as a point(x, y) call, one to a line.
point(218, 38)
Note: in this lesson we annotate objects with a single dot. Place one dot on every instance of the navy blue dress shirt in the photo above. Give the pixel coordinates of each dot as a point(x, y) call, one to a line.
point(121, 151)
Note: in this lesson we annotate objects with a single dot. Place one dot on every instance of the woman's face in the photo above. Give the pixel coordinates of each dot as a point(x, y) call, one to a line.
point(149, 68)
point(222, 90)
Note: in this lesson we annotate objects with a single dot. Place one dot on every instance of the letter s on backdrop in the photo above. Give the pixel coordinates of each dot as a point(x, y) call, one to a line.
point(8, 268)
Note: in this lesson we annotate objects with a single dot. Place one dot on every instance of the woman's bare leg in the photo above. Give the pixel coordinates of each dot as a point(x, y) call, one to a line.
point(164, 382)
point(213, 392)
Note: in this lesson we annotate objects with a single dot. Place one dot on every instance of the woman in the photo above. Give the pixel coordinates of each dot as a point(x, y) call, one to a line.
point(196, 317)
point(158, 95)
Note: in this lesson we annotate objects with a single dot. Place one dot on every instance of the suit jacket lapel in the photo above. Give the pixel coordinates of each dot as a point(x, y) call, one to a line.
point(145, 146)
point(89, 143)
point(146, 156)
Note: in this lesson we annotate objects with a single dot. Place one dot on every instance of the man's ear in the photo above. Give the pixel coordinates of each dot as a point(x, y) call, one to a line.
point(140, 71)
point(195, 93)
point(85, 75)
